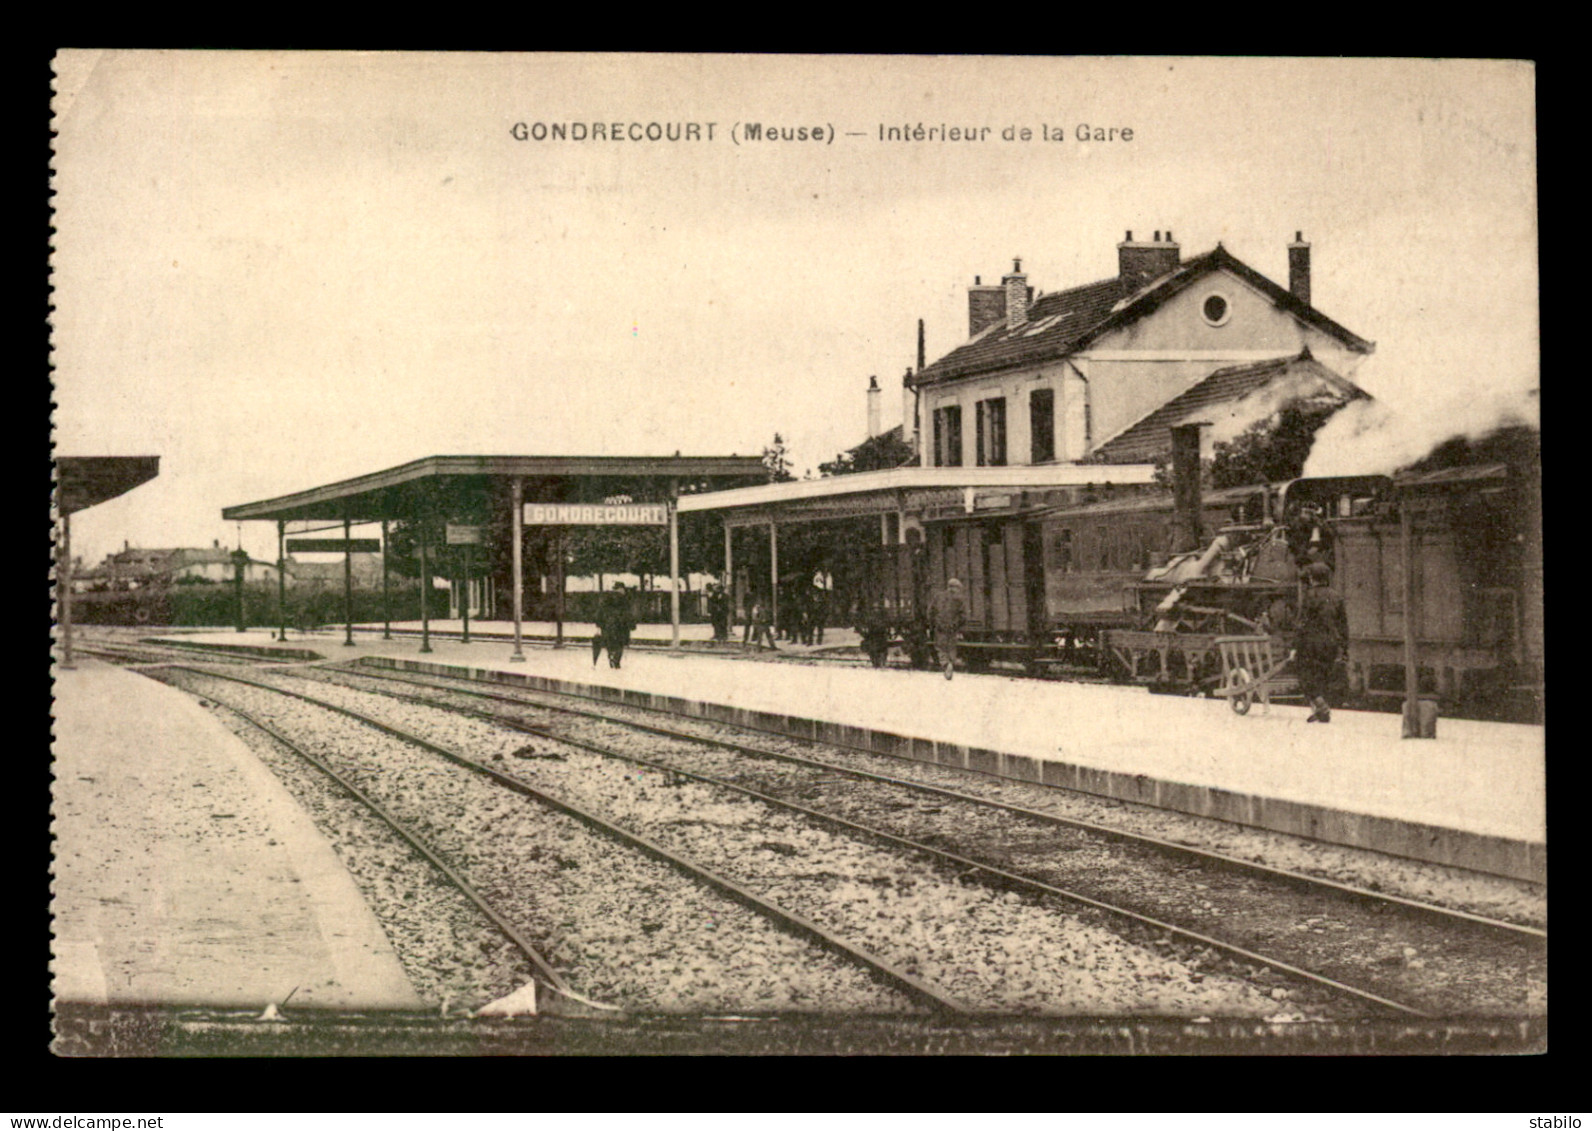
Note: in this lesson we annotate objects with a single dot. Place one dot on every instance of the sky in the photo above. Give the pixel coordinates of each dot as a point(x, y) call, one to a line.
point(278, 270)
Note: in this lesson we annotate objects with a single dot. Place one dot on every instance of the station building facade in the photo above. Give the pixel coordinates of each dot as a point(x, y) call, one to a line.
point(1059, 378)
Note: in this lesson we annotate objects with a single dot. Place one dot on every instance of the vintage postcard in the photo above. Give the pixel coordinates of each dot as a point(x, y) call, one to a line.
point(606, 554)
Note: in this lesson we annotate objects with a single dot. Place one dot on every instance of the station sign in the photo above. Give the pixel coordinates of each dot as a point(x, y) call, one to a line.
point(459, 535)
point(596, 514)
point(333, 545)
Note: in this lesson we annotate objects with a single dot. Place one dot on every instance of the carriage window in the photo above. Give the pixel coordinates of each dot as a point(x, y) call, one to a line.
point(1064, 551)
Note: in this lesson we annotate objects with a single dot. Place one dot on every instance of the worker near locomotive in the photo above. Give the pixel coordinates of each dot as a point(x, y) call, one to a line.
point(1323, 635)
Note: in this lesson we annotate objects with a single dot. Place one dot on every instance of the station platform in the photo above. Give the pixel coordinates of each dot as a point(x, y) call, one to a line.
point(185, 874)
point(1473, 797)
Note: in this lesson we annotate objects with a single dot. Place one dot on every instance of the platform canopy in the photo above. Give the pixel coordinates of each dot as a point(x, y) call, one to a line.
point(918, 490)
point(389, 494)
point(86, 481)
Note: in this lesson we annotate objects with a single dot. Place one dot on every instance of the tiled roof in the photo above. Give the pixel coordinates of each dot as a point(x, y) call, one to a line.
point(1149, 438)
point(1067, 321)
point(1056, 323)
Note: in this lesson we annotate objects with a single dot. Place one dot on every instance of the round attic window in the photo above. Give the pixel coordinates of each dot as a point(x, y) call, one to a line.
point(1216, 309)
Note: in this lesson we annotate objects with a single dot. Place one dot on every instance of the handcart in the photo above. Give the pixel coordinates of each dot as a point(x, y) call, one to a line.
point(1250, 667)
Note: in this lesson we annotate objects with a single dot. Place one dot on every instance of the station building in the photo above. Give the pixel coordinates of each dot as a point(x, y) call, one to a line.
point(1062, 398)
point(1065, 377)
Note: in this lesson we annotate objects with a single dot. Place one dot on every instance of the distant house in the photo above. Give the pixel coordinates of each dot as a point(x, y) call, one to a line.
point(329, 574)
point(1091, 372)
point(134, 567)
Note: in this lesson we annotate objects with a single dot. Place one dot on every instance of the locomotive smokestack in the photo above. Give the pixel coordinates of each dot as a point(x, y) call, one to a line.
point(1188, 532)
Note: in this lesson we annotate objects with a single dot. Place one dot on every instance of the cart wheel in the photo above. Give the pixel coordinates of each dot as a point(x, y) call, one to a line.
point(1240, 700)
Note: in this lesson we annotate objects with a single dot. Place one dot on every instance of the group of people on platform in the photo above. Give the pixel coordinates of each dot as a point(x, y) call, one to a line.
point(1320, 629)
point(803, 611)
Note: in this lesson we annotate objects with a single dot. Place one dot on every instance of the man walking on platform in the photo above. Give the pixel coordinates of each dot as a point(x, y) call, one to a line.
point(615, 622)
point(947, 613)
point(1323, 632)
point(762, 624)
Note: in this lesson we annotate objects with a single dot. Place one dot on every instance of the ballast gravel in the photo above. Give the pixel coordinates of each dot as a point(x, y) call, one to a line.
point(622, 928)
point(456, 959)
point(1475, 892)
point(996, 951)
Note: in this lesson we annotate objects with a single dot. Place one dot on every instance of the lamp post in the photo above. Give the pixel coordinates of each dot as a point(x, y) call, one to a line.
point(240, 561)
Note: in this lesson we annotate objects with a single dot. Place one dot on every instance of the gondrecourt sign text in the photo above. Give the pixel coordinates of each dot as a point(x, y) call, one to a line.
point(596, 514)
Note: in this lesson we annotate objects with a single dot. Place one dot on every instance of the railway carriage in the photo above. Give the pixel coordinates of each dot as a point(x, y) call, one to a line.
point(1094, 584)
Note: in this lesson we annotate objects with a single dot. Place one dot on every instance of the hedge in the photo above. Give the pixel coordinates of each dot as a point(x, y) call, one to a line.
point(217, 605)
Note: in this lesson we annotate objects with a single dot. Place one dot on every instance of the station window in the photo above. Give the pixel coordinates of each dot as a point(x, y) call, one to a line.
point(948, 436)
point(991, 440)
point(1042, 425)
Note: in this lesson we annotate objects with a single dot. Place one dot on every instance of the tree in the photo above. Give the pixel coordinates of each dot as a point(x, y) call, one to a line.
point(777, 460)
point(877, 453)
point(1272, 449)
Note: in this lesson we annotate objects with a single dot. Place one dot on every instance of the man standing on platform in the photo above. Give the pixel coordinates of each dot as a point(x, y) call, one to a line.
point(1323, 632)
point(719, 611)
point(947, 613)
point(615, 622)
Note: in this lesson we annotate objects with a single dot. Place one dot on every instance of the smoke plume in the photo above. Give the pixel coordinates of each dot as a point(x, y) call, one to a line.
point(1371, 438)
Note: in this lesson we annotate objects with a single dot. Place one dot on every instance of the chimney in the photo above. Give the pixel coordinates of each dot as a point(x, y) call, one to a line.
point(922, 360)
point(1187, 528)
point(874, 396)
point(1299, 268)
point(985, 307)
point(1017, 295)
point(1141, 261)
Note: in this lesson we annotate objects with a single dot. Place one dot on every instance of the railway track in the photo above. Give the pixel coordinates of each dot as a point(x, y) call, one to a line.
point(1302, 920)
point(544, 972)
point(917, 980)
point(913, 988)
point(560, 703)
point(144, 655)
point(1389, 992)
